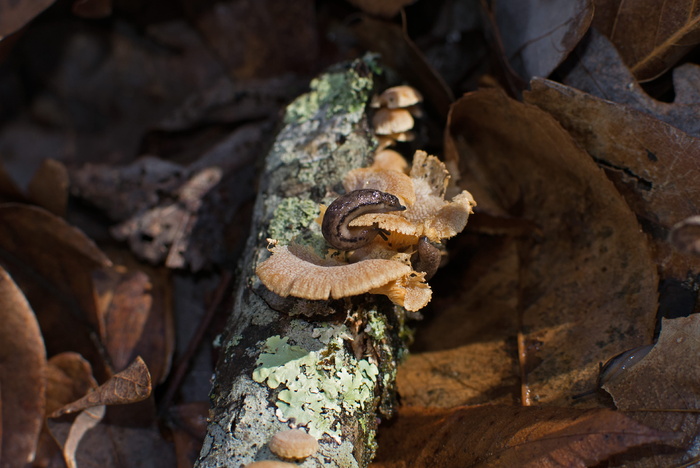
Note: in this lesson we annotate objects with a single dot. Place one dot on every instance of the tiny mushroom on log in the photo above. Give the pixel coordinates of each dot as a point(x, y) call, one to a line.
point(293, 444)
point(391, 121)
point(270, 464)
point(397, 96)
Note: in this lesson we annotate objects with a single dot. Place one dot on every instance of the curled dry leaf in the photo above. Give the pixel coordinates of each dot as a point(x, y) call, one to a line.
point(533, 437)
point(650, 35)
point(86, 420)
point(69, 377)
point(131, 385)
point(662, 391)
point(585, 270)
point(22, 375)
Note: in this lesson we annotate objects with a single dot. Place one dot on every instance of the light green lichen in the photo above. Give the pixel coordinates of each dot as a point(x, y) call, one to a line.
point(343, 91)
point(319, 385)
point(295, 218)
point(376, 325)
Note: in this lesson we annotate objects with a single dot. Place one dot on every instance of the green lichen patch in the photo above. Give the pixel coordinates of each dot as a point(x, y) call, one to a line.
point(292, 216)
point(336, 92)
point(319, 385)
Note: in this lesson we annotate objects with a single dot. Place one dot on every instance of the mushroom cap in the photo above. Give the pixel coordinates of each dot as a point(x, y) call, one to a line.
point(388, 181)
point(388, 121)
point(390, 160)
point(293, 444)
point(269, 464)
point(398, 96)
point(294, 270)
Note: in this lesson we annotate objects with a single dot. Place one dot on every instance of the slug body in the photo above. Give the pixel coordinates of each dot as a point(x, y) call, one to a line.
point(428, 258)
point(344, 209)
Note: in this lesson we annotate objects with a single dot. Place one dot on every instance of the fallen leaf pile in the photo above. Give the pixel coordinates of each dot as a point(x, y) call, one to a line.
point(131, 137)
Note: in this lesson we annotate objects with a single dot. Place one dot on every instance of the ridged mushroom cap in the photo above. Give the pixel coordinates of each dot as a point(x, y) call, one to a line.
point(296, 271)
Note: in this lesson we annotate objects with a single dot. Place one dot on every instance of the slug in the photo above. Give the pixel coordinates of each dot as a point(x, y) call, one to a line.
point(428, 258)
point(344, 209)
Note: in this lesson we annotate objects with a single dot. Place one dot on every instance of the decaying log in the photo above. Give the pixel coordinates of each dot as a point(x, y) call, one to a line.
point(326, 366)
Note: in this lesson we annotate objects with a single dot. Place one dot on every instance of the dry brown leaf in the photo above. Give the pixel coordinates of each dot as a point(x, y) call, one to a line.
point(537, 35)
point(383, 8)
point(126, 317)
point(650, 35)
point(188, 422)
point(69, 377)
point(49, 187)
point(22, 381)
point(258, 39)
point(587, 288)
point(14, 15)
point(653, 164)
point(92, 9)
point(595, 67)
point(131, 385)
point(134, 304)
point(663, 389)
point(53, 262)
point(465, 353)
point(508, 436)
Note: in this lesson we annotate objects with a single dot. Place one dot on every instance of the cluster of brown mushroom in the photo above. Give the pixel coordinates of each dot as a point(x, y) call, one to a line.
point(393, 119)
point(388, 229)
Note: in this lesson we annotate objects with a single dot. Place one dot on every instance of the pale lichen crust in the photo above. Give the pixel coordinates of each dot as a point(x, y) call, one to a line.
point(317, 387)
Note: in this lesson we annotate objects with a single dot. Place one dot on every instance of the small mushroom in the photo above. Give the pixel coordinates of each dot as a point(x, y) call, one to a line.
point(397, 96)
point(293, 444)
point(390, 160)
point(270, 464)
point(390, 121)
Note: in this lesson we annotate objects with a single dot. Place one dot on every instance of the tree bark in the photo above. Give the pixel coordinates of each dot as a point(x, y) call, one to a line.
point(327, 366)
